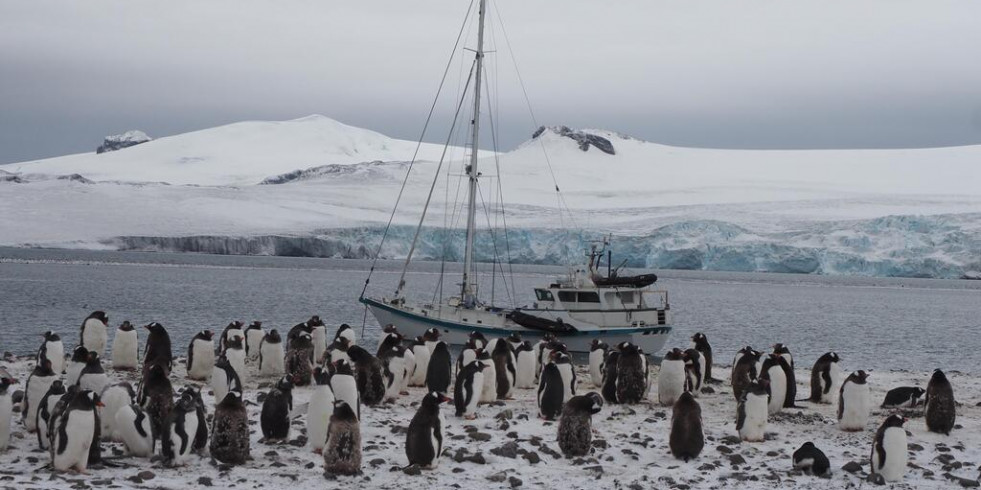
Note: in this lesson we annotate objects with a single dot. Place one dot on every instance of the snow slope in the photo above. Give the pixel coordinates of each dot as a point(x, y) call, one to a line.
point(315, 186)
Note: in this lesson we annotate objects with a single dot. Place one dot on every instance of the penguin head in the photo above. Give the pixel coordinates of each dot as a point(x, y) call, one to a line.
point(918, 392)
point(833, 357)
point(483, 354)
point(303, 340)
point(80, 354)
point(390, 328)
point(431, 335)
point(99, 315)
point(343, 411)
point(478, 339)
point(341, 344)
point(342, 328)
point(234, 343)
point(94, 398)
point(93, 359)
point(341, 366)
point(698, 337)
point(232, 398)
point(155, 328)
point(434, 399)
point(273, 337)
point(597, 402)
point(548, 337)
point(6, 380)
point(315, 321)
point(193, 393)
point(938, 377)
point(255, 325)
point(50, 336)
point(44, 367)
point(358, 354)
point(674, 355)
point(859, 377)
point(560, 357)
point(895, 420)
point(691, 356)
point(126, 326)
point(235, 325)
point(286, 383)
point(321, 376)
point(206, 335)
point(418, 341)
point(187, 403)
point(514, 338)
point(597, 344)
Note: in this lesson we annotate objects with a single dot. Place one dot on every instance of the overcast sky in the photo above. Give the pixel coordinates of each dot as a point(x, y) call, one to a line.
point(728, 73)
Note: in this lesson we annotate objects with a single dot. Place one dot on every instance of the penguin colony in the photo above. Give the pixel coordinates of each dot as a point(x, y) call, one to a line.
point(73, 407)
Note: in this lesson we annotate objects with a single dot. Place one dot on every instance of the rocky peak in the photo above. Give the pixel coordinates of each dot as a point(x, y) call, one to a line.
point(584, 139)
point(120, 141)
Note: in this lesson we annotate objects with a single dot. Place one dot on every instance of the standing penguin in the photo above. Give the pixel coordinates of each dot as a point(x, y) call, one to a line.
point(6, 408)
point(80, 357)
point(787, 365)
point(422, 355)
point(440, 368)
point(752, 412)
point(564, 362)
point(344, 384)
point(525, 375)
point(318, 336)
point(610, 376)
point(114, 398)
point(235, 353)
point(478, 340)
point(45, 411)
point(825, 379)
point(319, 408)
point(890, 451)
point(540, 356)
point(133, 427)
point(576, 424)
point(299, 360)
point(467, 355)
point(424, 439)
point(811, 460)
point(368, 372)
point(687, 439)
point(854, 402)
point(201, 436)
point(75, 432)
point(272, 355)
point(232, 331)
point(903, 397)
point(230, 430)
point(347, 332)
point(632, 374)
point(489, 393)
point(295, 332)
point(694, 369)
point(94, 332)
point(177, 439)
point(773, 372)
point(671, 377)
point(393, 371)
point(467, 390)
point(158, 348)
point(337, 350)
point(342, 454)
point(157, 397)
point(940, 413)
point(551, 392)
point(224, 379)
point(597, 354)
point(201, 356)
point(53, 350)
point(700, 343)
point(431, 336)
point(744, 371)
point(125, 348)
point(38, 383)
point(253, 339)
point(276, 408)
point(409, 366)
point(503, 357)
point(93, 377)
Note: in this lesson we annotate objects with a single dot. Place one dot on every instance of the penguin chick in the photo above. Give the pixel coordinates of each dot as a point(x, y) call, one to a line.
point(575, 424)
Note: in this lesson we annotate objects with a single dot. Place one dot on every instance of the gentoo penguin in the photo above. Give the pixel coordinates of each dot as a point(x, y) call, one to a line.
point(114, 397)
point(739, 355)
point(93, 377)
point(745, 370)
point(80, 357)
point(224, 379)
point(489, 393)
point(854, 403)
point(422, 355)
point(563, 361)
point(609, 389)
point(576, 424)
point(540, 356)
point(467, 355)
point(347, 332)
point(752, 412)
point(503, 357)
point(318, 336)
point(337, 350)
point(424, 440)
point(469, 385)
point(272, 355)
point(825, 379)
point(368, 372)
point(525, 366)
point(201, 437)
point(158, 348)
point(344, 384)
point(133, 427)
point(45, 410)
point(671, 377)
point(597, 354)
point(550, 392)
point(700, 343)
point(253, 339)
point(478, 340)
point(694, 369)
point(774, 373)
point(319, 408)
point(890, 452)
point(408, 367)
point(232, 330)
point(53, 350)
point(6, 409)
point(230, 430)
point(157, 397)
point(788, 371)
point(342, 454)
point(177, 440)
point(275, 416)
point(390, 337)
point(431, 336)
point(56, 413)
point(393, 371)
point(514, 338)
point(295, 332)
point(37, 386)
point(125, 348)
point(940, 412)
point(632, 374)
point(686, 439)
point(235, 353)
point(811, 460)
point(440, 368)
point(903, 397)
point(299, 360)
point(75, 432)
point(94, 332)
point(201, 356)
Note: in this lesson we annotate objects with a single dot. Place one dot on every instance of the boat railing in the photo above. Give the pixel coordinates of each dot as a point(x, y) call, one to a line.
point(655, 298)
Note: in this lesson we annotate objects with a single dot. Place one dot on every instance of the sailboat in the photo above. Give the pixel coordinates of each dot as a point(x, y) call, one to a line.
point(576, 308)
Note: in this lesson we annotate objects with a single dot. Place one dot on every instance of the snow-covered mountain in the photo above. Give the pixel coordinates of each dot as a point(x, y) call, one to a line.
point(315, 186)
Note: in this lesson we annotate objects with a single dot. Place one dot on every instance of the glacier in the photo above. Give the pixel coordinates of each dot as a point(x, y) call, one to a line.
point(316, 187)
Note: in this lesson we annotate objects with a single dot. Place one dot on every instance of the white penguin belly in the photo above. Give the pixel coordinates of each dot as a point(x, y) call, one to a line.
point(319, 337)
point(272, 360)
point(139, 446)
point(835, 373)
point(568, 390)
point(124, 350)
point(855, 415)
point(318, 416)
point(56, 354)
point(236, 357)
point(489, 391)
point(526, 369)
point(35, 392)
point(74, 370)
point(190, 428)
point(897, 454)
point(6, 414)
point(345, 389)
point(79, 431)
point(114, 398)
point(94, 336)
point(393, 381)
point(778, 389)
point(422, 355)
point(754, 423)
point(596, 367)
point(409, 367)
point(95, 382)
point(670, 382)
point(478, 383)
point(253, 340)
point(219, 384)
point(203, 360)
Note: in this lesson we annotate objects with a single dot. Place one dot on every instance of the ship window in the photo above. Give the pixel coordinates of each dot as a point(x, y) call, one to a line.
point(589, 297)
point(627, 296)
point(567, 296)
point(544, 295)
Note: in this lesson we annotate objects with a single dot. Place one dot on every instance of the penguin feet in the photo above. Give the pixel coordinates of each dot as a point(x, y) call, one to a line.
point(472, 416)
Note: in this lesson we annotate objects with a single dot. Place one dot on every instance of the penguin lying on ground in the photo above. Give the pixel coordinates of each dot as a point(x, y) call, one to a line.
point(811, 460)
point(133, 428)
point(424, 439)
point(903, 397)
point(575, 425)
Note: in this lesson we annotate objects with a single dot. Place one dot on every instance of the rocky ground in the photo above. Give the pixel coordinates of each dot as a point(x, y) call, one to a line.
point(507, 446)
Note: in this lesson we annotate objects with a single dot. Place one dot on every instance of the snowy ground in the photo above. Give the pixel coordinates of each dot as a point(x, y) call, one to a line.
point(508, 446)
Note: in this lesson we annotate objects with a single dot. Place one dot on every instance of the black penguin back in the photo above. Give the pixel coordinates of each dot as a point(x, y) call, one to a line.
point(440, 369)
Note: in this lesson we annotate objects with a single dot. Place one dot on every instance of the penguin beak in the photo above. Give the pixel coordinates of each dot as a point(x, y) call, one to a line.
point(100, 404)
point(445, 398)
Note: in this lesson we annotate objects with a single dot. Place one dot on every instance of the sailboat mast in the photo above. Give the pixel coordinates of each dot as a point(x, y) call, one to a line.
point(468, 290)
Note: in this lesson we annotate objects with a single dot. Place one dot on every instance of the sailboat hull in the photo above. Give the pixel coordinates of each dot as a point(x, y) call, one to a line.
point(413, 322)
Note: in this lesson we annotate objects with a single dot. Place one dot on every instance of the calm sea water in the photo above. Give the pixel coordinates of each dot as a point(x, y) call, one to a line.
point(873, 323)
